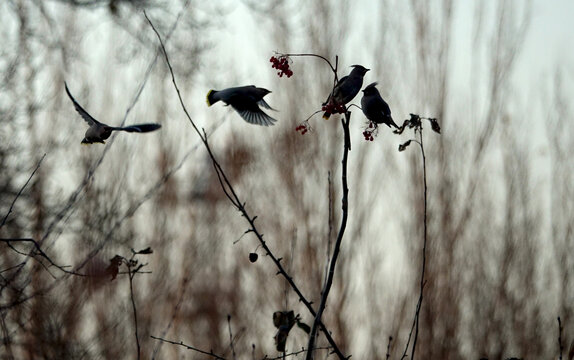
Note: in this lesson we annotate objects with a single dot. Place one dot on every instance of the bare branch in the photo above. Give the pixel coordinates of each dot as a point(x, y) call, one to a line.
point(189, 347)
point(240, 205)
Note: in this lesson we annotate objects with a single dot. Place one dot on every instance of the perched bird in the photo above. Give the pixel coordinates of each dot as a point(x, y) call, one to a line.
point(246, 101)
point(375, 108)
point(98, 132)
point(346, 89)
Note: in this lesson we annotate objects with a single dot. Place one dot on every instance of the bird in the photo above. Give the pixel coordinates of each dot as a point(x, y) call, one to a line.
point(99, 132)
point(375, 108)
point(246, 100)
point(345, 90)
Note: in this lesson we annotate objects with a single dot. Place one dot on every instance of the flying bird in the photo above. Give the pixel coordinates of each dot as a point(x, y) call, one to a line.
point(375, 108)
point(246, 100)
point(98, 132)
point(346, 88)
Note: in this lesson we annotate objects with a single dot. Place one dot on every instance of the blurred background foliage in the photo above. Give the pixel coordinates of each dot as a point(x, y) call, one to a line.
point(500, 180)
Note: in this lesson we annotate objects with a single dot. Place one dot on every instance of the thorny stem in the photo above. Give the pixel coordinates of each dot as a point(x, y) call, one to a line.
point(336, 251)
point(234, 199)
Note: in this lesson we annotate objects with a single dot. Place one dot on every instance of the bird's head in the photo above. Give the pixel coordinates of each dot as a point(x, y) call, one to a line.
point(359, 69)
point(370, 89)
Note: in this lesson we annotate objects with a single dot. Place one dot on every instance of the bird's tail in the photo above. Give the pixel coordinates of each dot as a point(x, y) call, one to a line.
point(210, 98)
point(326, 115)
point(141, 128)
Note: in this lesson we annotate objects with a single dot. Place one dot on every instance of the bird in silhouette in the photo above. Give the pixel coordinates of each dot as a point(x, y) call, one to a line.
point(375, 108)
point(345, 90)
point(98, 132)
point(246, 100)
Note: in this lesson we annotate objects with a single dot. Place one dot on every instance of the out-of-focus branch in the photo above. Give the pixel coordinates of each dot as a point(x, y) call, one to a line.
point(560, 347)
point(76, 195)
point(21, 190)
point(230, 193)
point(39, 251)
point(345, 208)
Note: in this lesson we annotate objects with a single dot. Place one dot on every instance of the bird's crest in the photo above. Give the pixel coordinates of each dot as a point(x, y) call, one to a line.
point(360, 67)
point(371, 85)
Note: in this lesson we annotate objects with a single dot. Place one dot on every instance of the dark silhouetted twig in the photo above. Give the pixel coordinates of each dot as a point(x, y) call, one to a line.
point(189, 347)
point(416, 122)
point(345, 208)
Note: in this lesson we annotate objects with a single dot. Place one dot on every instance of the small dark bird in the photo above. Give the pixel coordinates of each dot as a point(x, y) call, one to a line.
point(375, 108)
point(246, 101)
point(346, 88)
point(98, 132)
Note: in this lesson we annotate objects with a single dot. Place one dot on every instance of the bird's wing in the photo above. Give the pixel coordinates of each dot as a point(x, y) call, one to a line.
point(384, 107)
point(340, 83)
point(336, 89)
point(264, 104)
point(250, 112)
point(141, 128)
point(87, 117)
point(256, 117)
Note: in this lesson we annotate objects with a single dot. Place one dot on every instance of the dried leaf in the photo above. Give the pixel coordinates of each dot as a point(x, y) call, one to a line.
point(304, 326)
point(434, 125)
point(402, 147)
point(114, 266)
point(145, 251)
point(414, 121)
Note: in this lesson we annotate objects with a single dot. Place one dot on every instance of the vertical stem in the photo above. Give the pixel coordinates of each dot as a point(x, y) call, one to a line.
point(130, 276)
point(422, 284)
point(345, 208)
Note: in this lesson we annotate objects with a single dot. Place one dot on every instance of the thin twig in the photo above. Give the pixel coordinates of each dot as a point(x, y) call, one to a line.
point(189, 347)
point(389, 348)
point(21, 190)
point(345, 208)
point(230, 193)
point(134, 308)
point(173, 316)
point(334, 68)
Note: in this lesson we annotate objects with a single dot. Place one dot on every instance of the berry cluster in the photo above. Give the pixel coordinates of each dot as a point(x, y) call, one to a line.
point(281, 63)
point(370, 131)
point(368, 135)
point(304, 128)
point(333, 108)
